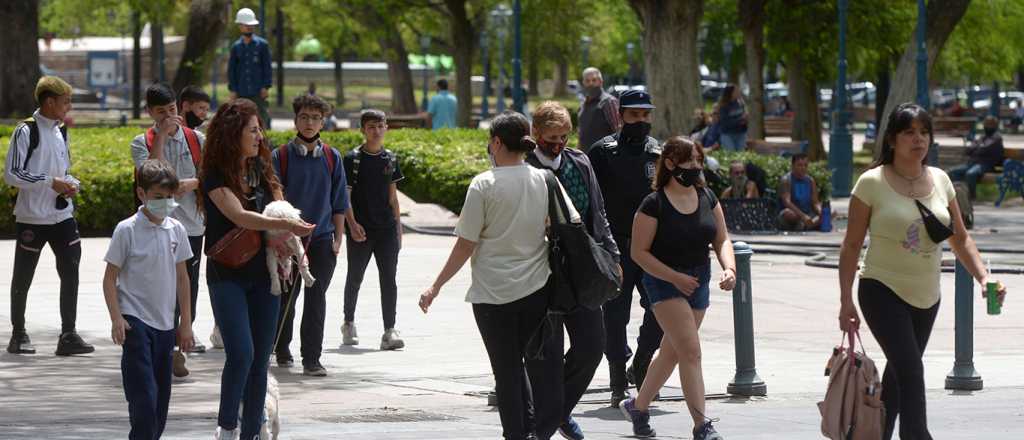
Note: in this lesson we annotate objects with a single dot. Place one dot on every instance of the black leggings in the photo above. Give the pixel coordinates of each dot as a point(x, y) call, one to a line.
point(67, 248)
point(505, 329)
point(902, 331)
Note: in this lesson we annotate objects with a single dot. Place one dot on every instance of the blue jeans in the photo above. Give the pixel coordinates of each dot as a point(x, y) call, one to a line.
point(734, 141)
point(969, 173)
point(246, 313)
point(659, 290)
point(146, 376)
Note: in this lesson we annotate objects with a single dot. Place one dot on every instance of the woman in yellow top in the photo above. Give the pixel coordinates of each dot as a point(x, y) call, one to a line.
point(909, 209)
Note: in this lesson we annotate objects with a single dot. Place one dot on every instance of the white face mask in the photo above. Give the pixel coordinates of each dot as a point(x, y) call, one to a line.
point(161, 208)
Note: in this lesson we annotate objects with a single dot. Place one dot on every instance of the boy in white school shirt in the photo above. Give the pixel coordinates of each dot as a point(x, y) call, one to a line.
point(146, 276)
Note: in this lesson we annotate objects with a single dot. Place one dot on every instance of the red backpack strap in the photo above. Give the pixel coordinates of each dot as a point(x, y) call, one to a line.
point(150, 137)
point(193, 146)
point(329, 157)
point(282, 163)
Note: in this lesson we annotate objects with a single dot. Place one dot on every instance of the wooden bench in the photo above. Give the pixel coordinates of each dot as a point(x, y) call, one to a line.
point(760, 146)
point(957, 126)
point(778, 126)
point(407, 121)
point(953, 156)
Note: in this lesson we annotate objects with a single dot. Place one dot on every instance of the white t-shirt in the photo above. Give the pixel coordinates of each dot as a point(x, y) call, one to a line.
point(505, 213)
point(147, 254)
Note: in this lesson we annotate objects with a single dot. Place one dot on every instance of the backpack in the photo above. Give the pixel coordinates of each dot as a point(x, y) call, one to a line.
point(852, 409)
point(386, 154)
point(963, 199)
point(282, 161)
point(190, 138)
point(33, 144)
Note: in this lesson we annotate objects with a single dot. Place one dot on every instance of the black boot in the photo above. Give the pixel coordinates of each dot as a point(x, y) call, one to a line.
point(20, 344)
point(70, 343)
point(639, 370)
point(617, 373)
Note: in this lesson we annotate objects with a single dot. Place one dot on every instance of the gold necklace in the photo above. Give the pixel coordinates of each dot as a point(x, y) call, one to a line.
point(910, 180)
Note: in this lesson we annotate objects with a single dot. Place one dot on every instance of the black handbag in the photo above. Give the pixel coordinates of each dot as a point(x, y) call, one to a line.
point(583, 274)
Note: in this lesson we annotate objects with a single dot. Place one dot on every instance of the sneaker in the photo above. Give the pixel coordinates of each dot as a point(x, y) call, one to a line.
point(570, 430)
point(707, 432)
point(180, 367)
point(225, 434)
point(348, 334)
point(284, 360)
point(197, 347)
point(641, 419)
point(20, 344)
point(216, 341)
point(618, 396)
point(314, 369)
point(391, 340)
point(70, 343)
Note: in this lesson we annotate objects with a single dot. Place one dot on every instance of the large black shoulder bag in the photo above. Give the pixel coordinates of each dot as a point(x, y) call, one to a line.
point(583, 274)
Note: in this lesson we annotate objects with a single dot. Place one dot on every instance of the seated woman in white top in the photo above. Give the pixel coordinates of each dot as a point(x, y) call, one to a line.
point(502, 226)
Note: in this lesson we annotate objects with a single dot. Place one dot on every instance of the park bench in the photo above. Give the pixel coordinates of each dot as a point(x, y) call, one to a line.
point(407, 121)
point(778, 126)
point(1008, 177)
point(786, 149)
point(956, 126)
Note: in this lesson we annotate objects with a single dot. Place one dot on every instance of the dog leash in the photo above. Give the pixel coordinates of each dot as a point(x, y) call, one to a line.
point(292, 292)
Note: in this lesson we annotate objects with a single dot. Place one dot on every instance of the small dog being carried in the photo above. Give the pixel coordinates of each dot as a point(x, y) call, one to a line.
point(281, 268)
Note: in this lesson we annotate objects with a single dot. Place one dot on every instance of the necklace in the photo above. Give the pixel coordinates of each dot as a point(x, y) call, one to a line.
point(911, 181)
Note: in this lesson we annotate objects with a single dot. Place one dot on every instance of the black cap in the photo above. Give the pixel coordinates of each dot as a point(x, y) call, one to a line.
point(635, 99)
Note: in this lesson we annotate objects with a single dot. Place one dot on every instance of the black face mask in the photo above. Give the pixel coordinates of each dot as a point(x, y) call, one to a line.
point(308, 140)
point(247, 34)
point(687, 176)
point(193, 121)
point(937, 231)
point(990, 131)
point(635, 133)
point(592, 92)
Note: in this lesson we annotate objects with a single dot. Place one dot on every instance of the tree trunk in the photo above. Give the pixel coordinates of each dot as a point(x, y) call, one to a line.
point(562, 78)
point(673, 81)
point(20, 51)
point(463, 43)
point(403, 100)
point(803, 94)
point(156, 51)
point(339, 85)
point(942, 17)
point(752, 18)
point(206, 25)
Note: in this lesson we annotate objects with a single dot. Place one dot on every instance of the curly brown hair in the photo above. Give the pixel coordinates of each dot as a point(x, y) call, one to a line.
point(223, 148)
point(681, 150)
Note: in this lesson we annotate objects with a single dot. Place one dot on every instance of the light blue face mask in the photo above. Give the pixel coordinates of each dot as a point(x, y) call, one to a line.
point(161, 208)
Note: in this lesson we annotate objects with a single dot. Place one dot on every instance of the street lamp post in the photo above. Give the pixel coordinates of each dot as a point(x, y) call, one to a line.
point(484, 110)
point(629, 60)
point(424, 47)
point(518, 97)
point(585, 46)
point(500, 16)
point(727, 52)
point(840, 156)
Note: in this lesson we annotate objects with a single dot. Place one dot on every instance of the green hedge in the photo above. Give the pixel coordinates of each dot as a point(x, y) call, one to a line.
point(438, 166)
point(774, 167)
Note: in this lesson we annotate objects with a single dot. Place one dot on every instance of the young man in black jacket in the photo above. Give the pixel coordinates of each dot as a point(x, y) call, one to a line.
point(624, 164)
point(559, 379)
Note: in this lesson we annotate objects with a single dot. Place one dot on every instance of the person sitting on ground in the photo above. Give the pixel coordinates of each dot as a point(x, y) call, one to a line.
point(740, 187)
point(983, 156)
point(798, 192)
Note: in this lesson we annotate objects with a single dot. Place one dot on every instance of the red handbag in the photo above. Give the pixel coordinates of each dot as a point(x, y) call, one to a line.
point(236, 248)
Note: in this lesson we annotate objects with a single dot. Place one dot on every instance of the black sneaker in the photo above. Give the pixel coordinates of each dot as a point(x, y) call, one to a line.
point(618, 395)
point(641, 420)
point(285, 360)
point(20, 344)
point(70, 343)
point(707, 432)
point(314, 369)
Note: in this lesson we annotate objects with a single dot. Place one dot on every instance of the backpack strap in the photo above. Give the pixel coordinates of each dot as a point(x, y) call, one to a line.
point(33, 138)
point(357, 154)
point(193, 147)
point(328, 157)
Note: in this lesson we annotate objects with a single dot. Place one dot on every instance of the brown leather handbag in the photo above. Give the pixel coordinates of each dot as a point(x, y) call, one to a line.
point(236, 248)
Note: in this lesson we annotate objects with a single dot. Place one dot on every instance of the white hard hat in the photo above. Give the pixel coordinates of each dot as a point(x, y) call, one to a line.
point(247, 17)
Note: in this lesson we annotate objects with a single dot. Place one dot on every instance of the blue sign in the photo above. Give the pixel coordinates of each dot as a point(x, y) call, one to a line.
point(102, 69)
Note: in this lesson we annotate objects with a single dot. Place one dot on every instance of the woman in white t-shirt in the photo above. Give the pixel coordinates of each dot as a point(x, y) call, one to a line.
point(502, 227)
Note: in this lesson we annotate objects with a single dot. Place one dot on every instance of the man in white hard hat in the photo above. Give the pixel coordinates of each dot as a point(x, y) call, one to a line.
point(249, 71)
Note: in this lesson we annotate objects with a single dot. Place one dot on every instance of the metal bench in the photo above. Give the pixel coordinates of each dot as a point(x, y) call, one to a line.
point(1011, 179)
point(750, 215)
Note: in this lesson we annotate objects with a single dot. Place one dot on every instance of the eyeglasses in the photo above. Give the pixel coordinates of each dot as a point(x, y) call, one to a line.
point(308, 118)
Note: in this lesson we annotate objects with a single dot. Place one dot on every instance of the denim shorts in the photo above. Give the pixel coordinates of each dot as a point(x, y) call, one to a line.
point(659, 290)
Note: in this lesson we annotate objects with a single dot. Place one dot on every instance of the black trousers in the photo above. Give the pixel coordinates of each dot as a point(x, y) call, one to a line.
point(314, 306)
point(66, 245)
point(196, 243)
point(560, 379)
point(383, 246)
point(902, 331)
point(505, 330)
point(616, 313)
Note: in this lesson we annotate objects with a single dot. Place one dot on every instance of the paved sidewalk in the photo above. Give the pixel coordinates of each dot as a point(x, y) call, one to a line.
point(433, 388)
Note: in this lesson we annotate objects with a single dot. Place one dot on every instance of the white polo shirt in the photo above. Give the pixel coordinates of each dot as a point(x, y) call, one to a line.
point(147, 254)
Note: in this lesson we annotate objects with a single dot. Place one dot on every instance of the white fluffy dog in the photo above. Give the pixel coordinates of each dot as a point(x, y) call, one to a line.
point(277, 265)
point(272, 427)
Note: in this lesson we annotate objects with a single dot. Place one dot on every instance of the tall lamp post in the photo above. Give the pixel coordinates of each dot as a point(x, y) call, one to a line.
point(629, 61)
point(727, 52)
point(424, 47)
point(499, 16)
point(840, 155)
point(485, 57)
point(518, 95)
point(585, 46)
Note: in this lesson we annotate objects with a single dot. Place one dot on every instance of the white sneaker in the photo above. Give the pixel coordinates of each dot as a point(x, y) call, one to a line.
point(216, 340)
point(225, 434)
point(391, 340)
point(180, 364)
point(349, 336)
